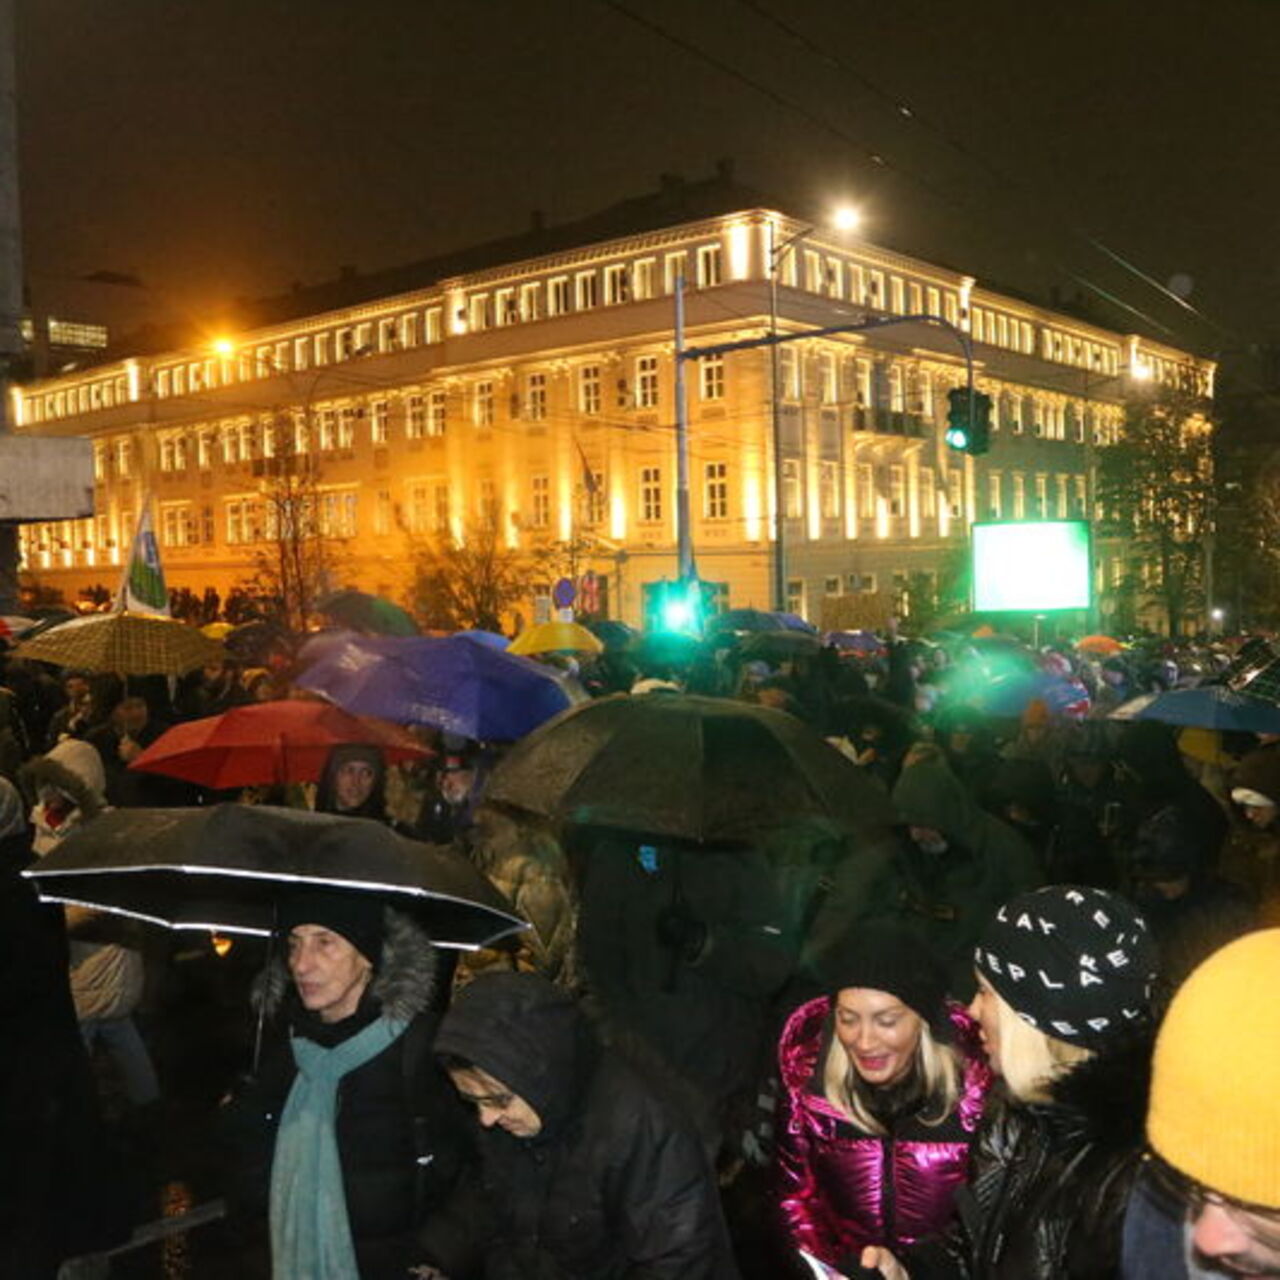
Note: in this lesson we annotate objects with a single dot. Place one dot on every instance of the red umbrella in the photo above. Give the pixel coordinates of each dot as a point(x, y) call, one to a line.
point(269, 742)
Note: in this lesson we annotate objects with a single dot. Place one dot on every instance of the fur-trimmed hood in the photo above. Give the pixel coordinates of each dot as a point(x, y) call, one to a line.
point(404, 979)
point(74, 767)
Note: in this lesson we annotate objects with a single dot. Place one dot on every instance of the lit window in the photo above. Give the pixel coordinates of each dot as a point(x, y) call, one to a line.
point(433, 324)
point(415, 418)
point(586, 290)
point(124, 457)
point(715, 501)
point(382, 512)
point(478, 312)
point(482, 409)
point(435, 413)
point(617, 285)
point(1042, 497)
point(593, 483)
point(531, 302)
point(540, 509)
point(711, 377)
point(644, 278)
point(651, 493)
point(1019, 496)
point(537, 397)
point(709, 266)
point(440, 509)
point(995, 503)
point(558, 297)
point(347, 427)
point(672, 270)
point(897, 491)
point(589, 388)
point(507, 310)
point(647, 382)
point(379, 421)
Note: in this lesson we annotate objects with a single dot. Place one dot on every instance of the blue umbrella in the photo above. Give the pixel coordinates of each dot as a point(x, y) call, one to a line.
point(747, 620)
point(459, 684)
point(491, 638)
point(1209, 706)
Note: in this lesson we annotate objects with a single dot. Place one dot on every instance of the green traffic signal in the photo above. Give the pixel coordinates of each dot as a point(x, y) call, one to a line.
point(968, 421)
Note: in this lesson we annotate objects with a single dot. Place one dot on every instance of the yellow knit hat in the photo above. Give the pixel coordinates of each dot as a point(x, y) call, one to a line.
point(1215, 1088)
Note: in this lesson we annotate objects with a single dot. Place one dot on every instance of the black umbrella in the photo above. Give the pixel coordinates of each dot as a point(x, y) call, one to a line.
point(780, 646)
point(227, 867)
point(704, 769)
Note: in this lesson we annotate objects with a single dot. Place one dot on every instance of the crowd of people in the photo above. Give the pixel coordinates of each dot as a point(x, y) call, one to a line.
point(1022, 1028)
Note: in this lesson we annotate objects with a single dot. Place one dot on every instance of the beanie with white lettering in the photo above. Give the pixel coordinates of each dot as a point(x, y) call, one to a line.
point(1073, 962)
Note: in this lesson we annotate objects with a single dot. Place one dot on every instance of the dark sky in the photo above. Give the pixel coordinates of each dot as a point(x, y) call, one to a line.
point(228, 147)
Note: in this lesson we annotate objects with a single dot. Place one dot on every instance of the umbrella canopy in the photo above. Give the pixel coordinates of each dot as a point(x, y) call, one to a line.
point(555, 637)
point(268, 742)
point(865, 643)
point(131, 644)
point(780, 646)
point(1210, 706)
point(1103, 646)
point(746, 620)
point(227, 868)
point(13, 625)
point(491, 638)
point(612, 633)
point(665, 648)
point(459, 684)
point(705, 769)
point(255, 642)
point(364, 612)
point(794, 622)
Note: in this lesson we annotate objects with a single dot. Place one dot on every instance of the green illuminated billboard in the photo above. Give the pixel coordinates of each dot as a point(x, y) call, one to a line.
point(1031, 566)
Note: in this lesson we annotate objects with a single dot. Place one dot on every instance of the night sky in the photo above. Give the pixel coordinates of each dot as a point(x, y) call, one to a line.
point(223, 148)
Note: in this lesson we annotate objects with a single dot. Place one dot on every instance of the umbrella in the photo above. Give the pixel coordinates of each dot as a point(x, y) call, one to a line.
point(794, 622)
point(1103, 646)
point(217, 630)
point(226, 868)
point(665, 649)
point(1008, 695)
point(457, 683)
point(268, 742)
point(491, 638)
point(555, 637)
point(1258, 676)
point(254, 642)
point(1210, 706)
point(706, 769)
point(780, 646)
point(131, 644)
point(860, 642)
point(746, 620)
point(12, 625)
point(612, 633)
point(365, 612)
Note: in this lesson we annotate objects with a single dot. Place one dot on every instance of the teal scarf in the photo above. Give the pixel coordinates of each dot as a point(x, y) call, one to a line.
point(310, 1234)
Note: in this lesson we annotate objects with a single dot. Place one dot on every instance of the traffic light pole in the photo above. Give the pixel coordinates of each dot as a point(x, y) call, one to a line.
point(684, 531)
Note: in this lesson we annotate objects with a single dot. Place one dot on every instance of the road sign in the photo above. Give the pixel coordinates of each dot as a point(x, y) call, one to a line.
point(564, 593)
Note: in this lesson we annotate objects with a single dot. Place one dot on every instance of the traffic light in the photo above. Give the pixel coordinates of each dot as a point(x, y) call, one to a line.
point(968, 421)
point(676, 606)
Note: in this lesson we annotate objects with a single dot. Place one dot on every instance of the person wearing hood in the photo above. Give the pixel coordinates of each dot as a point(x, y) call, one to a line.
point(353, 783)
point(349, 1141)
point(941, 876)
point(587, 1171)
point(1064, 981)
point(1255, 788)
point(106, 964)
point(1190, 909)
point(883, 1084)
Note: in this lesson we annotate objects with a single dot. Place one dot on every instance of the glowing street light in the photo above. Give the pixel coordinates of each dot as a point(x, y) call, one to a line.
point(846, 218)
point(223, 347)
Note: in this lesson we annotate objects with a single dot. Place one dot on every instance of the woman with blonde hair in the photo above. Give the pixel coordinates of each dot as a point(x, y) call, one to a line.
point(1064, 983)
point(883, 1087)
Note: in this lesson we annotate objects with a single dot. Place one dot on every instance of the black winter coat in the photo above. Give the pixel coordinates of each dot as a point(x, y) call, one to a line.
point(403, 1136)
point(616, 1186)
point(1050, 1182)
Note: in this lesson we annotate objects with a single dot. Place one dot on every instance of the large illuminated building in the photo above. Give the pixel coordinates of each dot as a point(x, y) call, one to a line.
point(531, 384)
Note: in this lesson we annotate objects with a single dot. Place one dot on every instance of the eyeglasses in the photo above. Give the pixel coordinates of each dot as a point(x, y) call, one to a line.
point(1260, 1222)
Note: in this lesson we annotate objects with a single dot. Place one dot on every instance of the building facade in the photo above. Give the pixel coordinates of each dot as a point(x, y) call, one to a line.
point(537, 395)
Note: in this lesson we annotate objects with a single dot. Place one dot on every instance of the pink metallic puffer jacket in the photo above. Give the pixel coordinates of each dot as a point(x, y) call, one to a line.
point(843, 1188)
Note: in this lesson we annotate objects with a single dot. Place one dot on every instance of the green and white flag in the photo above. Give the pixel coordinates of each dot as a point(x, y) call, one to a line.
point(142, 588)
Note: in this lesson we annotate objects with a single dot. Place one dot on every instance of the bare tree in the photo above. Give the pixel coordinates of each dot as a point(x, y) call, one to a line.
point(467, 583)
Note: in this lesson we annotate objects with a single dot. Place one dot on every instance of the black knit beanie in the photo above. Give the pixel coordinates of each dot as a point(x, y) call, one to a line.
point(357, 916)
point(886, 957)
point(1076, 963)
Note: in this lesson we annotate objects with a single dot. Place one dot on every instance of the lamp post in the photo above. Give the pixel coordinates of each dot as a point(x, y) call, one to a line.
point(844, 219)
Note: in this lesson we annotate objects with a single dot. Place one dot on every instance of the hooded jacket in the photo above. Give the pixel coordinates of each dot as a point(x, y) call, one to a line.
point(616, 1183)
point(843, 1188)
point(401, 1131)
point(1050, 1181)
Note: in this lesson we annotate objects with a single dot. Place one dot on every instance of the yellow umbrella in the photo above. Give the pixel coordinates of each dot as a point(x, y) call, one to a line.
point(216, 630)
point(555, 637)
point(131, 644)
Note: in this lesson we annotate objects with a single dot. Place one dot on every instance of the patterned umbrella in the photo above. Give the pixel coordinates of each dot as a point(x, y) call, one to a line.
point(130, 644)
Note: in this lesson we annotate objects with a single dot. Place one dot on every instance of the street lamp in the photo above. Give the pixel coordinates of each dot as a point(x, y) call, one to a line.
point(844, 218)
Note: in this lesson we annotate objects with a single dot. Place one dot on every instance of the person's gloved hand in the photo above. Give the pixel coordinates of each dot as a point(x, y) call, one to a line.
point(678, 928)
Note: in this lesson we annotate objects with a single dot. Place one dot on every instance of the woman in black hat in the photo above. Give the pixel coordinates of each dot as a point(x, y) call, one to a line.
point(883, 1087)
point(351, 1139)
point(1064, 983)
